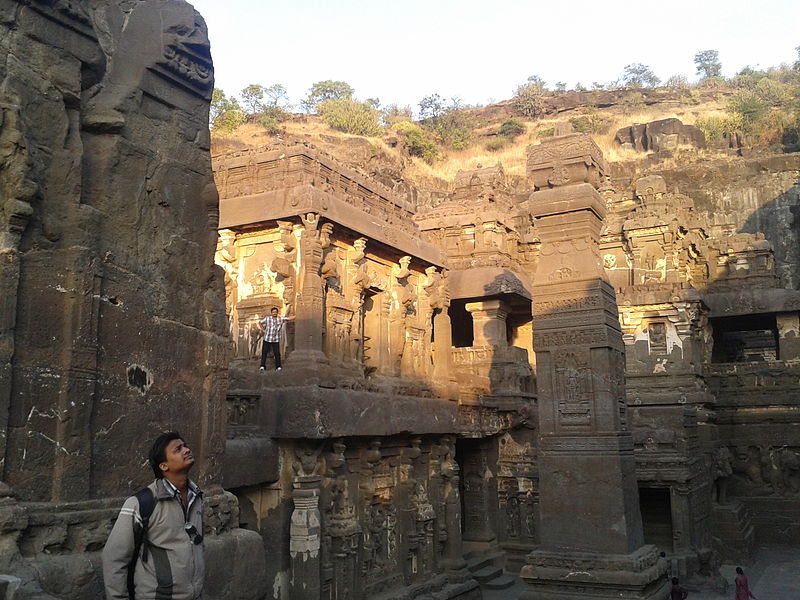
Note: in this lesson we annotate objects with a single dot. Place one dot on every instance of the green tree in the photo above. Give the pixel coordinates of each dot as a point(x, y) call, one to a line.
point(529, 97)
point(253, 99)
point(431, 107)
point(277, 95)
point(637, 75)
point(707, 63)
point(326, 90)
point(561, 87)
point(225, 113)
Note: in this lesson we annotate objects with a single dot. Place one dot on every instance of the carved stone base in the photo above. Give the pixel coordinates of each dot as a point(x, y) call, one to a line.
point(551, 575)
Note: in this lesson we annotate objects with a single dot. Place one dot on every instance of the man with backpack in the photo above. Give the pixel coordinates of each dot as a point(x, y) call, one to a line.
point(155, 549)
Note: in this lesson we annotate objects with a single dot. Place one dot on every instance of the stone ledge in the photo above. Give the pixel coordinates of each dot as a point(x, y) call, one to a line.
point(317, 413)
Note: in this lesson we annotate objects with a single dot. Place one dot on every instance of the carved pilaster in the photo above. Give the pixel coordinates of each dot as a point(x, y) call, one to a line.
point(304, 540)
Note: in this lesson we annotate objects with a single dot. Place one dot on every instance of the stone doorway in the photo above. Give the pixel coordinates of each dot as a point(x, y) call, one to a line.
point(478, 491)
point(656, 507)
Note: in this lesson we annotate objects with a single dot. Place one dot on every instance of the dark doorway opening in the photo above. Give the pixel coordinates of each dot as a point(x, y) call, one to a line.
point(745, 338)
point(656, 508)
point(461, 324)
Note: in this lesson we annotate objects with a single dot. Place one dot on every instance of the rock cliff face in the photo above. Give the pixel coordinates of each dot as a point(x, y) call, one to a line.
point(760, 194)
point(112, 326)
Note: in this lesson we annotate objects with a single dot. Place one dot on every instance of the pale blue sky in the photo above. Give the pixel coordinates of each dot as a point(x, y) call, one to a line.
point(480, 51)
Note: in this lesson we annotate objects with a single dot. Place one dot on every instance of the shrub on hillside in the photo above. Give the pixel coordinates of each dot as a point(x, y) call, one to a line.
point(678, 82)
point(496, 144)
point(715, 127)
point(418, 142)
point(350, 116)
point(591, 123)
point(511, 129)
point(394, 113)
point(749, 105)
point(270, 125)
point(774, 93)
point(632, 102)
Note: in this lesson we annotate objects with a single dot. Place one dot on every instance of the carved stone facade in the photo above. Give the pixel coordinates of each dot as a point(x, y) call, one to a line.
point(366, 495)
point(427, 330)
point(551, 382)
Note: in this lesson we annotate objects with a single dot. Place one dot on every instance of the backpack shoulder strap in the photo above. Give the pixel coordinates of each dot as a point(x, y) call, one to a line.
point(147, 503)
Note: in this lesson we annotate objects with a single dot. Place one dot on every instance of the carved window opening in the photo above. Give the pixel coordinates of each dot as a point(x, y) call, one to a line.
point(461, 324)
point(745, 338)
point(657, 336)
point(656, 508)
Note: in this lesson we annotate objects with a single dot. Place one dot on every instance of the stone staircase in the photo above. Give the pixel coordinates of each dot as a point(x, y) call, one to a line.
point(733, 532)
point(486, 566)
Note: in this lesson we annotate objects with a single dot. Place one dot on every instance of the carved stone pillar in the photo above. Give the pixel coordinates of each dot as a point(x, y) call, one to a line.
point(588, 492)
point(453, 551)
point(489, 322)
point(304, 540)
point(309, 308)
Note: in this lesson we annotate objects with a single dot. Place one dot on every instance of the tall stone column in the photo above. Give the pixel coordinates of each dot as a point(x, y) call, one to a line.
point(309, 307)
point(489, 322)
point(591, 539)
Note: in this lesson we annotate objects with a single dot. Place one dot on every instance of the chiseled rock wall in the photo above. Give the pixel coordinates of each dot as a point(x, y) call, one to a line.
point(112, 324)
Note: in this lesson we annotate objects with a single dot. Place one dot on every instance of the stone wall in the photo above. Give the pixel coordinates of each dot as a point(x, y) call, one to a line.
point(112, 324)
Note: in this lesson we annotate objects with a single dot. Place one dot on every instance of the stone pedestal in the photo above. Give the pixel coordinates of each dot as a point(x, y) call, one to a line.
point(570, 575)
point(489, 322)
point(591, 540)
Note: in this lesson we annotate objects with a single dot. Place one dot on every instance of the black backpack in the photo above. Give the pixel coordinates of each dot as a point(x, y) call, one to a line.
point(147, 503)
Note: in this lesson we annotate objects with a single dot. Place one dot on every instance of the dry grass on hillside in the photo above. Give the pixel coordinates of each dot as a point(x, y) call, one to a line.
point(511, 156)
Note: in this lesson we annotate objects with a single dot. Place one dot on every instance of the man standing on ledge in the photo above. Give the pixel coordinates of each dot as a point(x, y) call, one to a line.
point(155, 549)
point(272, 326)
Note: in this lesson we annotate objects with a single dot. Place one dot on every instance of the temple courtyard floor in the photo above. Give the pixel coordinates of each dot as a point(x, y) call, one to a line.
point(773, 575)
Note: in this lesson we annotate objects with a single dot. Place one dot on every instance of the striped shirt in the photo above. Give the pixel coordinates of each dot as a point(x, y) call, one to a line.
point(173, 491)
point(272, 328)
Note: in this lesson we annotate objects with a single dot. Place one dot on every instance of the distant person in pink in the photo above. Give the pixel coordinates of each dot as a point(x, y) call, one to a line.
point(742, 587)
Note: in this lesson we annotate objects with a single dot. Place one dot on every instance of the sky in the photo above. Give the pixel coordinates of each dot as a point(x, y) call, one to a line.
point(480, 51)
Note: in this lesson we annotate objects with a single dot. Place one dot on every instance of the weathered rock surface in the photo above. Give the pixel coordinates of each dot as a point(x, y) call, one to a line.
point(664, 134)
point(112, 326)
